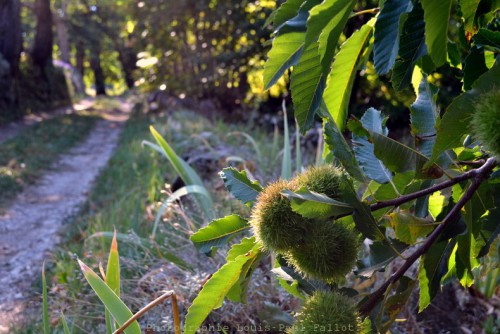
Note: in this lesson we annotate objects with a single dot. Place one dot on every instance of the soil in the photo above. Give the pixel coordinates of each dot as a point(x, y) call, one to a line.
point(29, 229)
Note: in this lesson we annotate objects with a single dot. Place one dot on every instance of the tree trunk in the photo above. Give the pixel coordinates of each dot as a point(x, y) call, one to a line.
point(42, 47)
point(62, 32)
point(95, 63)
point(10, 52)
point(80, 57)
point(128, 61)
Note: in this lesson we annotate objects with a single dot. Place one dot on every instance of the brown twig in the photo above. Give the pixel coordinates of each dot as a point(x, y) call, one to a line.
point(366, 11)
point(476, 164)
point(478, 176)
point(141, 312)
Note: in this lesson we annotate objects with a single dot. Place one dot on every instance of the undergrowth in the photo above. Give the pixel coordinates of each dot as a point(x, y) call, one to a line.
point(26, 156)
point(126, 197)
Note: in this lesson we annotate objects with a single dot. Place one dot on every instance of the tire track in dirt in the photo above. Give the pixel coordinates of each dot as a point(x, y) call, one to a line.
point(29, 229)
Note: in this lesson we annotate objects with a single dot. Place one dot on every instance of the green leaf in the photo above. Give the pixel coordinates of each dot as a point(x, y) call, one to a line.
point(310, 204)
point(215, 289)
point(491, 228)
point(364, 150)
point(437, 202)
point(113, 303)
point(245, 246)
point(238, 292)
point(488, 39)
point(380, 255)
point(113, 274)
point(285, 52)
point(454, 54)
point(307, 86)
point(386, 45)
point(287, 282)
point(286, 11)
point(344, 69)
point(362, 215)
point(325, 24)
point(411, 48)
point(341, 150)
point(182, 168)
point(437, 17)
point(475, 66)
point(468, 9)
point(409, 228)
point(393, 155)
point(219, 232)
point(455, 123)
point(240, 186)
point(433, 266)
point(423, 118)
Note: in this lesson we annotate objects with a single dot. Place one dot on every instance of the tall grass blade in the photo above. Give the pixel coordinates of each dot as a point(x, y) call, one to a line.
point(113, 277)
point(146, 245)
point(65, 324)
point(251, 141)
point(120, 312)
point(298, 153)
point(45, 303)
point(182, 168)
point(286, 166)
point(178, 194)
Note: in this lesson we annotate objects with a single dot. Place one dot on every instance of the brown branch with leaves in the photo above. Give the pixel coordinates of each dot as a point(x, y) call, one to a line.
point(477, 175)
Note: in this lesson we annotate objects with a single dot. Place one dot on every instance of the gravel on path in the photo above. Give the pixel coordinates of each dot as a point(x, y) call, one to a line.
point(29, 228)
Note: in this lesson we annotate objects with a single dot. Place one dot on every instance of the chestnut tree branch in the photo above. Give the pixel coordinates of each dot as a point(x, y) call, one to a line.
point(478, 176)
point(443, 185)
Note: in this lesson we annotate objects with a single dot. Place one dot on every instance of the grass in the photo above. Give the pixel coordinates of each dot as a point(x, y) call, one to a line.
point(26, 156)
point(127, 195)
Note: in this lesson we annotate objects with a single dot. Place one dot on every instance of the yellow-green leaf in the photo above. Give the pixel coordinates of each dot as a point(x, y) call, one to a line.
point(341, 77)
point(409, 228)
point(120, 312)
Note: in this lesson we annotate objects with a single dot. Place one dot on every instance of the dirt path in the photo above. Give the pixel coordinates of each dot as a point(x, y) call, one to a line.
point(29, 229)
point(13, 128)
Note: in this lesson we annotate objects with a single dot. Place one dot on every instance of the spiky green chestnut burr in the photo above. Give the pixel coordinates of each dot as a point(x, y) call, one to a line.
point(276, 226)
point(326, 179)
point(486, 121)
point(328, 252)
point(327, 312)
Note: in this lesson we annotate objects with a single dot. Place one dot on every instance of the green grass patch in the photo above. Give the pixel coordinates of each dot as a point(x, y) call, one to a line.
point(26, 156)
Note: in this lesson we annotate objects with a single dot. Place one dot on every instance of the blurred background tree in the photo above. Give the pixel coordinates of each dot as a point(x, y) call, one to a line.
point(205, 51)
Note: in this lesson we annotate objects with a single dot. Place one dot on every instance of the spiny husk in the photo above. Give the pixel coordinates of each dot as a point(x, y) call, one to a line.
point(486, 121)
point(327, 311)
point(329, 251)
point(326, 179)
point(276, 226)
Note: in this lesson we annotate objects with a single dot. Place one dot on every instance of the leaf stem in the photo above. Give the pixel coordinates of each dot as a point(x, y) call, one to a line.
point(478, 175)
point(366, 11)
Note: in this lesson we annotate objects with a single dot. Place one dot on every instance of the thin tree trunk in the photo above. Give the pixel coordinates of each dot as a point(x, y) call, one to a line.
point(42, 47)
point(95, 63)
point(62, 32)
point(80, 57)
point(128, 61)
point(10, 53)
